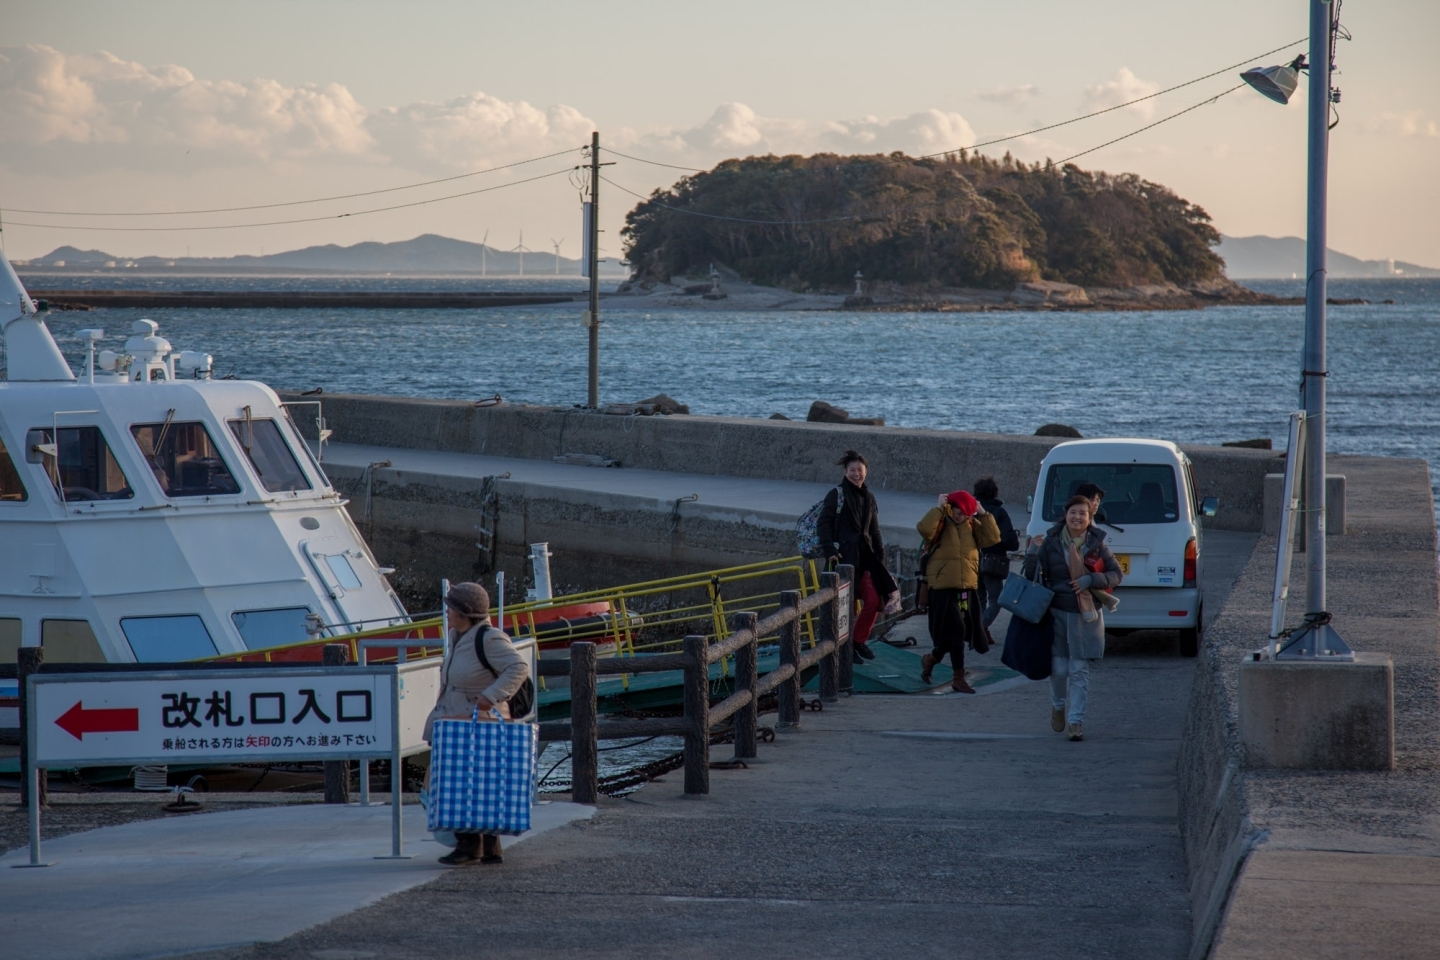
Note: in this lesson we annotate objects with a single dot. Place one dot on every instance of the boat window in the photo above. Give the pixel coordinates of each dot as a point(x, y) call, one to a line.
point(168, 639)
point(9, 639)
point(1134, 492)
point(10, 486)
point(82, 466)
point(184, 459)
point(271, 628)
point(344, 573)
point(269, 455)
point(70, 641)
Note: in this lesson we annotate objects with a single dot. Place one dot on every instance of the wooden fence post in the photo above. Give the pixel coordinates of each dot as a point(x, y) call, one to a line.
point(28, 661)
point(845, 616)
point(337, 772)
point(747, 669)
point(789, 690)
point(584, 748)
point(697, 715)
point(829, 666)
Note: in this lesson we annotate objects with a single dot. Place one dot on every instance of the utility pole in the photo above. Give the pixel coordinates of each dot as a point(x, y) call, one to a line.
point(592, 397)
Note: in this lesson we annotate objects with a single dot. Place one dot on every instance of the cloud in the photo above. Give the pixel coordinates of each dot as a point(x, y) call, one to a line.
point(1121, 88)
point(1013, 97)
point(125, 112)
point(1411, 123)
point(735, 129)
point(70, 113)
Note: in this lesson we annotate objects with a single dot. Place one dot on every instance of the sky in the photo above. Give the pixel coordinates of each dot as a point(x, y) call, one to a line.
point(152, 106)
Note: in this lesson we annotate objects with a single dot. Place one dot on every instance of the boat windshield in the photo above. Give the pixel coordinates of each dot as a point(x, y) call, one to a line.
point(10, 486)
point(82, 466)
point(268, 453)
point(184, 459)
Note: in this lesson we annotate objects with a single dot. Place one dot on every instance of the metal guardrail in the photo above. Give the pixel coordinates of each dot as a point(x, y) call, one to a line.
point(831, 651)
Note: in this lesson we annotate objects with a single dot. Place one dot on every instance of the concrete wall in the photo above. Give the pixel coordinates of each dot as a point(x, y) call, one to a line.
point(1383, 591)
point(901, 459)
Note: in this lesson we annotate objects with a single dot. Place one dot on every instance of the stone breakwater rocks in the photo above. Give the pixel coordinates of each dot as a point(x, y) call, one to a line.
point(1324, 863)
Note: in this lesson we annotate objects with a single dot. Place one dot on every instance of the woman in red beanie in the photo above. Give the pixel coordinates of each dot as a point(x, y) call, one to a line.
point(955, 529)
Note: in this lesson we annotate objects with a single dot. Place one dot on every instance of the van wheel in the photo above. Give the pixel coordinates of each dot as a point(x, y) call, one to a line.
point(1190, 636)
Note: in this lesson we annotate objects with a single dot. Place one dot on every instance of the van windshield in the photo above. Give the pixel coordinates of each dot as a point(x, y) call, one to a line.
point(1134, 492)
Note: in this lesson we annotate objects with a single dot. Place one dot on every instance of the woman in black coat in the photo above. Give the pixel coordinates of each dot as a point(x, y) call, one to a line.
point(1073, 560)
point(849, 530)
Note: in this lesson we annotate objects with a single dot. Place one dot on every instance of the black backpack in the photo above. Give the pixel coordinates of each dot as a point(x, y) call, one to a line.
point(522, 701)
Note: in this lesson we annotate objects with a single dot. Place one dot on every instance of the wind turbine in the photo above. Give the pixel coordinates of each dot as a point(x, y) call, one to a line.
point(521, 249)
point(484, 246)
point(557, 254)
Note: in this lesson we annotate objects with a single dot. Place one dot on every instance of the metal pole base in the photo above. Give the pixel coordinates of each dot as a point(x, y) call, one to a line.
point(1316, 642)
point(395, 856)
point(27, 866)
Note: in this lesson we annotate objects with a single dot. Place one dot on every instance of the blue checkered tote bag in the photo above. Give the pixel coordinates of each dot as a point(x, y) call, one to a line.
point(482, 776)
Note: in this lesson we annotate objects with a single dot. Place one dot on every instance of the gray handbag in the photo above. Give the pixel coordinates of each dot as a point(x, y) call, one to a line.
point(1026, 598)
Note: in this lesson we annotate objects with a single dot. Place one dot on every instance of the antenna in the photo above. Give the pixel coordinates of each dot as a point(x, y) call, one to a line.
point(557, 254)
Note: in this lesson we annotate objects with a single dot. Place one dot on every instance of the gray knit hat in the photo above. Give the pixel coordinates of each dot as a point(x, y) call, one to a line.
point(469, 600)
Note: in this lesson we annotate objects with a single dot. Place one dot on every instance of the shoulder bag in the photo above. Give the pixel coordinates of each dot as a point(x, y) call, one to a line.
point(1027, 599)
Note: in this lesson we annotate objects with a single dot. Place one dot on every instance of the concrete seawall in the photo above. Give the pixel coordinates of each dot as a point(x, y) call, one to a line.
point(920, 461)
point(1302, 863)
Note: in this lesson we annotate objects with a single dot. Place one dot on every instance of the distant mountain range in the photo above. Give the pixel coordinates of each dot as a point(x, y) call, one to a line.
point(1245, 258)
point(428, 253)
point(1256, 258)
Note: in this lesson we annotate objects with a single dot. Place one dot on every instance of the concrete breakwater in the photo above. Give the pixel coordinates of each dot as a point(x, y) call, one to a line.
point(1335, 863)
point(445, 485)
point(294, 299)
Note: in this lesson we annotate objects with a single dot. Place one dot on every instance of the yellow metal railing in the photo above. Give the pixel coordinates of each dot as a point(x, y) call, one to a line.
point(638, 617)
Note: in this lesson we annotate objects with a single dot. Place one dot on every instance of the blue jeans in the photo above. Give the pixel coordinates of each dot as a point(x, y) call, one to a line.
point(1069, 687)
point(991, 586)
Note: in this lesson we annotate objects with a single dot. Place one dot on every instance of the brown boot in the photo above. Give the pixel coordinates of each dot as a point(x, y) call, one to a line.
point(960, 684)
point(466, 852)
point(927, 664)
point(492, 851)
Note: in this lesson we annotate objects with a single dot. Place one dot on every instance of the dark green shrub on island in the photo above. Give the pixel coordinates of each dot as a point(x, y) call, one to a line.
point(954, 221)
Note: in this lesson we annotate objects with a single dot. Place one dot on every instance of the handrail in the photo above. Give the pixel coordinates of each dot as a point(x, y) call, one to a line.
point(832, 652)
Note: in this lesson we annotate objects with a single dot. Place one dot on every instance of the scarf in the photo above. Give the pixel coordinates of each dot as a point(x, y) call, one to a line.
point(1077, 570)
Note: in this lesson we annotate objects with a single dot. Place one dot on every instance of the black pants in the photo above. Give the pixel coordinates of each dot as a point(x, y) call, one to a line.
point(949, 627)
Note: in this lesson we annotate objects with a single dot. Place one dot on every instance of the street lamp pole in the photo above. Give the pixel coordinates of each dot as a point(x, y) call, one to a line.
point(1314, 370)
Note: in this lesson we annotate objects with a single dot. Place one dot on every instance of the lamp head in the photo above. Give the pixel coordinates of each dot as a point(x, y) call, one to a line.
point(1276, 83)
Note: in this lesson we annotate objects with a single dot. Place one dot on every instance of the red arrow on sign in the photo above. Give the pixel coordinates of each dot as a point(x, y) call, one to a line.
point(77, 721)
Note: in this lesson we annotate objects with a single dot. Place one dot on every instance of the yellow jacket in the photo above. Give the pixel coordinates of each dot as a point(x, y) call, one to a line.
point(955, 563)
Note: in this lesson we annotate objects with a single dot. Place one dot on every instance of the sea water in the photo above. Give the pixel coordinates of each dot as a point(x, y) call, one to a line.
point(1192, 376)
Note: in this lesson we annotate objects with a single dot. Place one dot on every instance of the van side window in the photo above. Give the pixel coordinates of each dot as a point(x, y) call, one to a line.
point(10, 486)
point(184, 459)
point(268, 453)
point(80, 465)
point(1134, 492)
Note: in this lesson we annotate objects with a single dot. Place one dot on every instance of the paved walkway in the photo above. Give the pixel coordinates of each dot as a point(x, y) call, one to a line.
point(162, 888)
point(899, 511)
point(906, 826)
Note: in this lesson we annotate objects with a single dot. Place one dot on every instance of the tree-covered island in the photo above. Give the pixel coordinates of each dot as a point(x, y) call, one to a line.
point(960, 220)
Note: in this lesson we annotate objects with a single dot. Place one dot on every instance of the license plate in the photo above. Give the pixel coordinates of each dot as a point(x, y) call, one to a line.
point(1124, 560)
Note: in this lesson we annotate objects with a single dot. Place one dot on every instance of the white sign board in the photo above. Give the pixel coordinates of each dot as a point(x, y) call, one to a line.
point(212, 716)
point(419, 689)
point(845, 606)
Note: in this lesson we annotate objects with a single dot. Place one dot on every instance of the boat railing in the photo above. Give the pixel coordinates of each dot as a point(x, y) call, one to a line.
point(636, 619)
point(827, 608)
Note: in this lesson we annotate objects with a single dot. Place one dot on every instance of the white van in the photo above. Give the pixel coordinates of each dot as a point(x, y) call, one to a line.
point(1151, 519)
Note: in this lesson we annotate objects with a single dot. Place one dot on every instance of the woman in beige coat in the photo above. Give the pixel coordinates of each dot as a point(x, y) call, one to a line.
point(467, 683)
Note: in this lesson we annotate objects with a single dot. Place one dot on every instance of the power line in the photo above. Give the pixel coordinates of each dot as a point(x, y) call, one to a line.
point(288, 203)
point(1027, 133)
point(275, 223)
point(1050, 165)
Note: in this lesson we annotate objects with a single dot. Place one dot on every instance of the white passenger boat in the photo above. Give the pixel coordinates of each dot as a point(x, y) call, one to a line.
point(152, 513)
